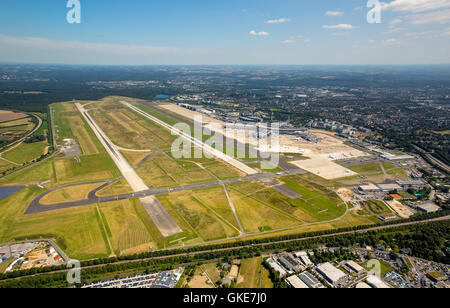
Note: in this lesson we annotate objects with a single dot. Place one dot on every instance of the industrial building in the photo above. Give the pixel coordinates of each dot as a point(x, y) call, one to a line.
point(428, 207)
point(355, 267)
point(311, 281)
point(331, 273)
point(297, 283)
point(411, 184)
point(274, 264)
point(376, 282)
point(368, 188)
point(390, 187)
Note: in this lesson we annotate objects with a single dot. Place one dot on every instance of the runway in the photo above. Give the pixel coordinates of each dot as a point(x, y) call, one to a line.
point(165, 223)
point(195, 142)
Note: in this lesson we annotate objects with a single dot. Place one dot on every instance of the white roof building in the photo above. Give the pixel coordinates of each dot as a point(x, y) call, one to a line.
point(355, 266)
point(331, 273)
point(376, 282)
point(296, 283)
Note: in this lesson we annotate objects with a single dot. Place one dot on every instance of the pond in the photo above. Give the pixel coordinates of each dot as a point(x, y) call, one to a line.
point(162, 96)
point(7, 191)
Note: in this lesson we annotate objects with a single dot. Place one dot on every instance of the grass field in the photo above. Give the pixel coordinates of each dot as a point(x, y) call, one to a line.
point(197, 217)
point(39, 172)
point(127, 232)
point(213, 273)
point(130, 130)
point(91, 168)
point(254, 214)
point(253, 275)
point(117, 188)
point(26, 152)
point(366, 168)
point(67, 194)
point(76, 230)
point(317, 202)
point(161, 171)
point(134, 158)
point(377, 207)
point(70, 124)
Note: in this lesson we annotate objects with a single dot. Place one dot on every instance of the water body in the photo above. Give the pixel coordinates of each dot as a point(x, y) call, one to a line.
point(7, 191)
point(162, 96)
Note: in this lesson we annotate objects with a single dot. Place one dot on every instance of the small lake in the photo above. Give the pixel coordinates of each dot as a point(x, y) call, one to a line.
point(7, 191)
point(162, 96)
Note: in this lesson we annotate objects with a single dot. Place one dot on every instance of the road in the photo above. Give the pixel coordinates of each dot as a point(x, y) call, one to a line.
point(165, 223)
point(18, 142)
point(433, 159)
point(36, 207)
point(269, 242)
point(206, 148)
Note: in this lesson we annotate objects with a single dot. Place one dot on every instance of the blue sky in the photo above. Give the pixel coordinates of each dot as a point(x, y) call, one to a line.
point(225, 32)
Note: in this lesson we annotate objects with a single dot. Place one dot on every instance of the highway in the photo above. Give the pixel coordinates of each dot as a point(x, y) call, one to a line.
point(269, 242)
point(195, 142)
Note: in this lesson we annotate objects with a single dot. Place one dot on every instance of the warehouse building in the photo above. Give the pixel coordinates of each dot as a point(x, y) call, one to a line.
point(297, 283)
point(428, 207)
point(355, 267)
point(331, 273)
point(376, 282)
point(311, 281)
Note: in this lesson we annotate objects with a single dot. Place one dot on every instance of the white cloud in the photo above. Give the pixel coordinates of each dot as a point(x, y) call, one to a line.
point(334, 13)
point(261, 33)
point(396, 21)
point(391, 41)
point(57, 45)
point(415, 6)
point(278, 21)
point(372, 41)
point(442, 17)
point(340, 27)
point(289, 41)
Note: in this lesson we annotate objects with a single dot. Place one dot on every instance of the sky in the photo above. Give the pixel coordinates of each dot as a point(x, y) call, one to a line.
point(223, 32)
